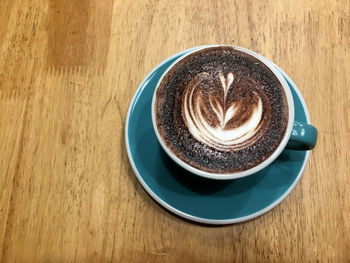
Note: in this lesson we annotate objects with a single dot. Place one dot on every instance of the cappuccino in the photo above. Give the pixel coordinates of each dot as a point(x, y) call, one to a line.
point(221, 110)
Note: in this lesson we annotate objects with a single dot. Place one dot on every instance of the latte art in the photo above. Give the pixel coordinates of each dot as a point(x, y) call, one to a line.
point(220, 110)
point(219, 124)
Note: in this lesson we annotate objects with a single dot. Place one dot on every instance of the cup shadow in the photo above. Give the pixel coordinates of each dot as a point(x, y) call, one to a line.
point(282, 172)
point(170, 175)
point(197, 184)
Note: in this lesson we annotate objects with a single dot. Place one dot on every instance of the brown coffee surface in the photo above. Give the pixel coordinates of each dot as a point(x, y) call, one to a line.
point(221, 110)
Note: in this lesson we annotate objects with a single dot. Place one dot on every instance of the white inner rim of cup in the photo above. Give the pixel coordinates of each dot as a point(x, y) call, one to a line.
point(255, 169)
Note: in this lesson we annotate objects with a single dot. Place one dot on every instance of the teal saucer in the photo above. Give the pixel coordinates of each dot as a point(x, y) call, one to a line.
point(199, 199)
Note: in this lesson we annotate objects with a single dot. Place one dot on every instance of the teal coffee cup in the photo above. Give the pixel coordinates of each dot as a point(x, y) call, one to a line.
point(297, 136)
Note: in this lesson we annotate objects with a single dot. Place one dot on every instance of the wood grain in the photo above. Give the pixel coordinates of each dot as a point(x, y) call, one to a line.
point(68, 70)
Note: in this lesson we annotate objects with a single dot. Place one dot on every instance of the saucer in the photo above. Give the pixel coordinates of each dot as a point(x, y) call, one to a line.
point(200, 199)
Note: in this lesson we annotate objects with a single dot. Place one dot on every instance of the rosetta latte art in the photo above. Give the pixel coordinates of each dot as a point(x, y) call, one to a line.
point(220, 113)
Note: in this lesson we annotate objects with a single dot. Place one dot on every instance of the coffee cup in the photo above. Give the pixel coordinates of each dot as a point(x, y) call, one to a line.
point(225, 112)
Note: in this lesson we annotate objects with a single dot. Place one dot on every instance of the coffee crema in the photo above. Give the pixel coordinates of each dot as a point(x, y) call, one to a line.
point(221, 110)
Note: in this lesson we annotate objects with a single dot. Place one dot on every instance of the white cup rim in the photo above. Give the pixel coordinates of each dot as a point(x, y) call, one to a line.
point(255, 169)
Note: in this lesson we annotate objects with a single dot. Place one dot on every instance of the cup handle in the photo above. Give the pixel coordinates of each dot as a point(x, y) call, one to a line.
point(303, 137)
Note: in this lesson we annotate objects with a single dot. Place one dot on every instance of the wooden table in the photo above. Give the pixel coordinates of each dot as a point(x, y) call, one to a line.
point(68, 70)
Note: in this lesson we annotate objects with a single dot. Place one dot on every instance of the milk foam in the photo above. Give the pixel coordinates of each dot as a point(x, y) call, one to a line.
point(220, 136)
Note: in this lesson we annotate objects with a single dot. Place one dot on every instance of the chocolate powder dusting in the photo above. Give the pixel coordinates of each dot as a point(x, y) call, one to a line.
point(252, 80)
